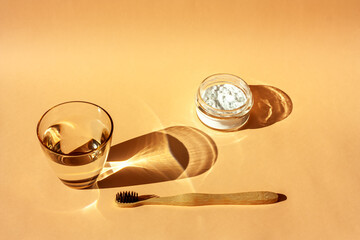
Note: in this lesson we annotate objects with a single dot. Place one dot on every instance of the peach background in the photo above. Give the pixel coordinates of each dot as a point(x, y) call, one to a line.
point(143, 61)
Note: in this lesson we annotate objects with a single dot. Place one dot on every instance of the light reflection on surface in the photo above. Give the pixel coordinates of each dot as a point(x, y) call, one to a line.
point(90, 206)
point(68, 200)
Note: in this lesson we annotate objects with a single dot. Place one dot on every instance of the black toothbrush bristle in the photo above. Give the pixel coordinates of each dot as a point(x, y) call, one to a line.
point(127, 197)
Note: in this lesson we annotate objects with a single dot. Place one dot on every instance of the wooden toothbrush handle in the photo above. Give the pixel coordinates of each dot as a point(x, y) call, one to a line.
point(199, 199)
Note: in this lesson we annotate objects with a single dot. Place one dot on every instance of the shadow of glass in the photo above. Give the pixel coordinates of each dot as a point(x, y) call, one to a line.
point(271, 105)
point(173, 153)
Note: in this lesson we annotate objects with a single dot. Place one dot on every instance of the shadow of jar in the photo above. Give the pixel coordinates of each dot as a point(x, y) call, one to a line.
point(271, 105)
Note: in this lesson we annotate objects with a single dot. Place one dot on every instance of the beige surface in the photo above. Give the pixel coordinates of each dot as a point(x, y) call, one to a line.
point(143, 61)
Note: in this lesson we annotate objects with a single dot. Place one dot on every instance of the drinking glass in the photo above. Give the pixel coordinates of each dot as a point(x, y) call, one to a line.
point(76, 138)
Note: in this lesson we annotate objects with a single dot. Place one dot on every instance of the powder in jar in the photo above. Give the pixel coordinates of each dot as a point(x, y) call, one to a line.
point(224, 97)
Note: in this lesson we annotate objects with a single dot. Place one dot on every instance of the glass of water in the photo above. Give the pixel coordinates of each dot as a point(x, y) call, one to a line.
point(76, 137)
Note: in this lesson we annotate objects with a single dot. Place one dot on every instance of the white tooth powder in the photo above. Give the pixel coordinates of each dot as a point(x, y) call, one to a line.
point(223, 102)
point(225, 97)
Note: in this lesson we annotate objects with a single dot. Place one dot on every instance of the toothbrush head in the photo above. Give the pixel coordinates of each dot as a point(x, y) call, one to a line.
point(127, 197)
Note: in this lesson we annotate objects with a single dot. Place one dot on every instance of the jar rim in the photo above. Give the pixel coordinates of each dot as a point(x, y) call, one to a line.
point(218, 78)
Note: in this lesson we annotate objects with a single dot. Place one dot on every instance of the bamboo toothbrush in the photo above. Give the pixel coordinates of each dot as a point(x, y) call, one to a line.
point(132, 199)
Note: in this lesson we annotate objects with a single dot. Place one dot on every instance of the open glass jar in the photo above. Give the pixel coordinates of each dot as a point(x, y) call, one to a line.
point(223, 102)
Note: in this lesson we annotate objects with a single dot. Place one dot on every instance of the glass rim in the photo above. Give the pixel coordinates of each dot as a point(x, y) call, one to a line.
point(247, 104)
point(82, 154)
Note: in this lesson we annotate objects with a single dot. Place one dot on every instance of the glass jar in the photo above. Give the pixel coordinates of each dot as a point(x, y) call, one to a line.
point(223, 102)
